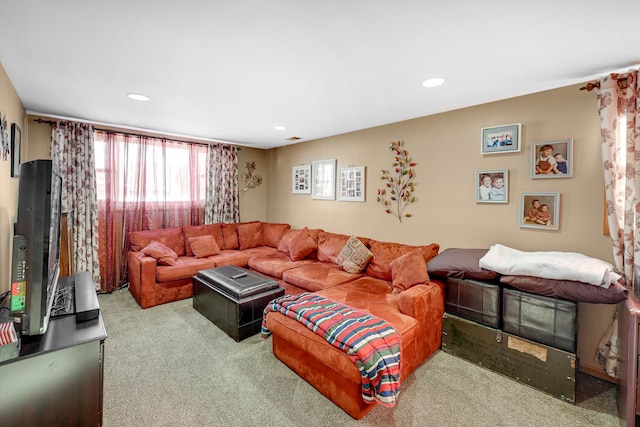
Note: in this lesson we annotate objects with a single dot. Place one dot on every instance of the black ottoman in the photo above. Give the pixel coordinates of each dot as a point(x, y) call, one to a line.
point(474, 300)
point(234, 298)
point(547, 320)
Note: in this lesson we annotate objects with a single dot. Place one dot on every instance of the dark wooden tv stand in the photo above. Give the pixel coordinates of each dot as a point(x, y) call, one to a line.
point(57, 377)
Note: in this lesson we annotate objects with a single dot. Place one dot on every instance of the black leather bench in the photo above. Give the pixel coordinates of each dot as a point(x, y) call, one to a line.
point(233, 298)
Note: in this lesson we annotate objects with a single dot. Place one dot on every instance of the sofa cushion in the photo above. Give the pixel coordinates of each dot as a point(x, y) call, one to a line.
point(302, 245)
point(272, 233)
point(170, 237)
point(160, 252)
point(354, 256)
point(203, 246)
point(249, 235)
point(214, 230)
point(408, 270)
point(285, 241)
point(185, 268)
point(318, 275)
point(460, 263)
point(385, 252)
point(276, 264)
point(568, 289)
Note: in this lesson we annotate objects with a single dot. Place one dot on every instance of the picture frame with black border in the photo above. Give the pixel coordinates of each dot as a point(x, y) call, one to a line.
point(492, 186)
point(501, 139)
point(552, 159)
point(16, 142)
point(533, 213)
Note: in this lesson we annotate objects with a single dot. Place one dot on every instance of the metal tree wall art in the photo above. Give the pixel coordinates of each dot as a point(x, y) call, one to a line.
point(397, 193)
point(250, 179)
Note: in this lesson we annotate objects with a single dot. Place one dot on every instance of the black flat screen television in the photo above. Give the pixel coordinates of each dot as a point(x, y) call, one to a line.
point(36, 252)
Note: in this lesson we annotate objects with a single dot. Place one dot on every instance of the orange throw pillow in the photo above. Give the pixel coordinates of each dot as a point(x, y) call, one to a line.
point(162, 253)
point(204, 246)
point(409, 270)
point(302, 245)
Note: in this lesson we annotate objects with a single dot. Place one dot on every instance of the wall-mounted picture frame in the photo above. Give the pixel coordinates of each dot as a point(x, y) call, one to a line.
point(323, 178)
point(351, 184)
point(301, 179)
point(492, 186)
point(16, 141)
point(552, 159)
point(500, 139)
point(540, 210)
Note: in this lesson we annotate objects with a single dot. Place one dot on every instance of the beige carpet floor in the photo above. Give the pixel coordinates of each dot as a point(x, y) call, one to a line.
point(170, 366)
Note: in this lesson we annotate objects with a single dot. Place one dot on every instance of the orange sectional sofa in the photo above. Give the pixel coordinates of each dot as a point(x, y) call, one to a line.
point(388, 280)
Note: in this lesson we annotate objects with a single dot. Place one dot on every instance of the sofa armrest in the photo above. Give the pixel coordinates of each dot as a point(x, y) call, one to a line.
point(142, 277)
point(425, 303)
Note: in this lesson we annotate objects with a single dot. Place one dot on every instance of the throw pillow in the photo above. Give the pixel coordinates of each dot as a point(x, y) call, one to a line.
point(286, 239)
point(163, 254)
point(302, 245)
point(409, 270)
point(214, 230)
point(249, 235)
point(354, 256)
point(204, 246)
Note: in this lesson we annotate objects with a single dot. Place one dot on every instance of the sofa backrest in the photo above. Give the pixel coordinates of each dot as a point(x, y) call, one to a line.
point(173, 238)
point(385, 252)
point(214, 230)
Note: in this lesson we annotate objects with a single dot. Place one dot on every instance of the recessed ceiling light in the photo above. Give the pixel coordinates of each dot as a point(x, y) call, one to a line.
point(280, 127)
point(138, 97)
point(433, 82)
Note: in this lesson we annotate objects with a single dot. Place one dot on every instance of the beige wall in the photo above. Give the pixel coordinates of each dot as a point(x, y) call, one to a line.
point(446, 148)
point(11, 107)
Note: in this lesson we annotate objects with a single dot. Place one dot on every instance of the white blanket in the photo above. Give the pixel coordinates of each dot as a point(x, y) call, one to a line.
point(549, 265)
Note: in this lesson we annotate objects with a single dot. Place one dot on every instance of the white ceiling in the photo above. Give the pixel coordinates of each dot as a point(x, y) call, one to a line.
point(232, 70)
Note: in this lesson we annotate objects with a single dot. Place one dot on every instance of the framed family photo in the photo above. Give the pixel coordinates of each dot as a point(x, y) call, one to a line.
point(540, 210)
point(500, 139)
point(301, 179)
point(552, 159)
point(492, 186)
point(323, 179)
point(351, 184)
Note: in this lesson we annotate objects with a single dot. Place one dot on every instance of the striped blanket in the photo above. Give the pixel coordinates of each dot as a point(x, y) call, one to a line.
point(369, 341)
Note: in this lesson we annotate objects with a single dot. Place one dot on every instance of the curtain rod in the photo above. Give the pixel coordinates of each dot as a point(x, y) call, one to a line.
point(53, 122)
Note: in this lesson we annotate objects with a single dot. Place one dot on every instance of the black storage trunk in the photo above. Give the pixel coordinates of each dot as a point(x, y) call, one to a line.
point(542, 367)
point(234, 299)
point(474, 300)
point(546, 320)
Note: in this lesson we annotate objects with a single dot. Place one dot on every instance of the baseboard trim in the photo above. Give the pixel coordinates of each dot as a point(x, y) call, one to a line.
point(598, 374)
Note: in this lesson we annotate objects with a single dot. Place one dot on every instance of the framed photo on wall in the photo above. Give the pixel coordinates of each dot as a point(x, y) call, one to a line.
point(492, 186)
point(552, 159)
point(500, 139)
point(301, 179)
point(351, 184)
point(540, 210)
point(323, 179)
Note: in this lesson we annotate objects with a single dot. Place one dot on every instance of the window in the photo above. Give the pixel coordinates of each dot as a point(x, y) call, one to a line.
point(149, 169)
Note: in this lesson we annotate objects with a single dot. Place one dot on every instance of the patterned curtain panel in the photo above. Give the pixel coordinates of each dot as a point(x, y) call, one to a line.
point(619, 107)
point(72, 153)
point(223, 199)
point(144, 183)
